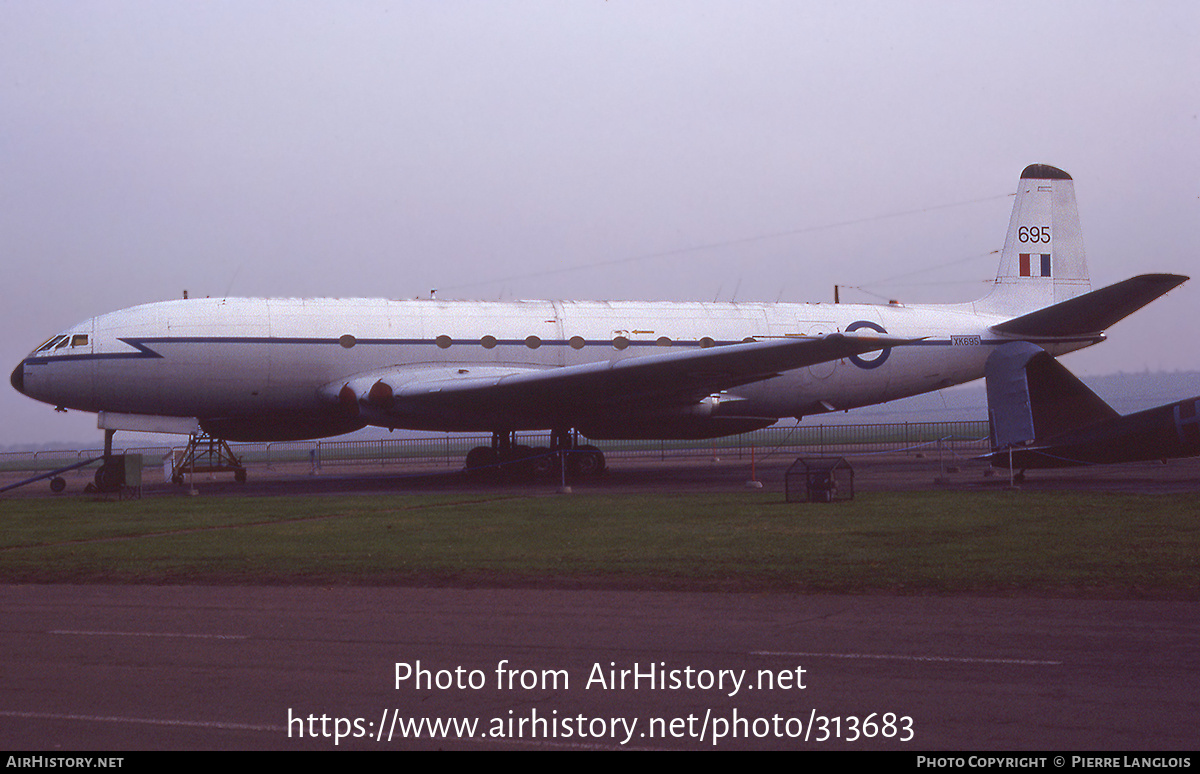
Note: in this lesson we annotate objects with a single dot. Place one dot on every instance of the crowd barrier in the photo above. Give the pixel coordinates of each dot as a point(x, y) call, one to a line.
point(966, 437)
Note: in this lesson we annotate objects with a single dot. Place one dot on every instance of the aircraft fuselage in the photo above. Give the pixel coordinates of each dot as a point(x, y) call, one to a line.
point(277, 362)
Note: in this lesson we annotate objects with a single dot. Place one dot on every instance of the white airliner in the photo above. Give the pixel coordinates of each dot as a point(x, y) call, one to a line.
point(282, 369)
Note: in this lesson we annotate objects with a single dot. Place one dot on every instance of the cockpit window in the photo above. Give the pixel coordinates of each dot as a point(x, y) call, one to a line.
point(54, 342)
point(62, 341)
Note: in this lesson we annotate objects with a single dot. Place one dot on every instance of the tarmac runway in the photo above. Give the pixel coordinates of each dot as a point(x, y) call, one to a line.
point(151, 668)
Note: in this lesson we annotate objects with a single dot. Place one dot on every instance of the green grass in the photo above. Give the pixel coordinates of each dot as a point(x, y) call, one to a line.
point(1062, 544)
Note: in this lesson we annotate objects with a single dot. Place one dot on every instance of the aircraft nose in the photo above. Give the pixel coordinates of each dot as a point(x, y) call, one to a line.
point(18, 378)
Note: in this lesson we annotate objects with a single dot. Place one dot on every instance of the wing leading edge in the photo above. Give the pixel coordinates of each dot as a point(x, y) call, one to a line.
point(470, 396)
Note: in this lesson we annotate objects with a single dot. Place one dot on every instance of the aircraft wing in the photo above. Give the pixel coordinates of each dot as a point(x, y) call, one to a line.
point(674, 378)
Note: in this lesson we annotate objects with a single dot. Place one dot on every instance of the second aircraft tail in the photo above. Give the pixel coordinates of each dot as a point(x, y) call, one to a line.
point(1042, 416)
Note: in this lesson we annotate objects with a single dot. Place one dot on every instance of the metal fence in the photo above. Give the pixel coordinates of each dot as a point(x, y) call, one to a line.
point(449, 450)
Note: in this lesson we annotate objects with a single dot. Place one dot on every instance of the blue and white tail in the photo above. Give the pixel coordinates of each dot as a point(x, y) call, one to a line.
point(1043, 260)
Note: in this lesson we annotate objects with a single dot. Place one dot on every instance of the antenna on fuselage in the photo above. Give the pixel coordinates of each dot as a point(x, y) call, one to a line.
point(185, 295)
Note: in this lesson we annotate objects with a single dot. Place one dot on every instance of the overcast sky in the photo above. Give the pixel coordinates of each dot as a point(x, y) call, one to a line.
point(659, 150)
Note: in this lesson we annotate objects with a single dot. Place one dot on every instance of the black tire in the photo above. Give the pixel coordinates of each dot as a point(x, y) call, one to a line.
point(600, 465)
point(109, 478)
point(479, 458)
point(57, 484)
point(585, 461)
point(544, 463)
point(239, 475)
point(518, 462)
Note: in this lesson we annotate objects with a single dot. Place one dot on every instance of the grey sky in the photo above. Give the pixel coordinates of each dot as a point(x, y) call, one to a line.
point(383, 149)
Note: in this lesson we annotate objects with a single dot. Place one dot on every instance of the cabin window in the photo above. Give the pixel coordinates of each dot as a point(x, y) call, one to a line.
point(79, 340)
point(443, 342)
point(707, 342)
point(347, 341)
point(533, 342)
point(577, 342)
point(488, 342)
point(620, 342)
point(663, 341)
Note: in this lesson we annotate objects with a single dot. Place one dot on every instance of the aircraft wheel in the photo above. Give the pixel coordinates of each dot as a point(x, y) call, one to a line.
point(479, 458)
point(586, 461)
point(544, 463)
point(521, 461)
point(57, 484)
point(599, 464)
point(108, 478)
point(239, 475)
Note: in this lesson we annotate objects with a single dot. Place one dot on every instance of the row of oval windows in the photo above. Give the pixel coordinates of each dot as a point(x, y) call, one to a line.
point(533, 342)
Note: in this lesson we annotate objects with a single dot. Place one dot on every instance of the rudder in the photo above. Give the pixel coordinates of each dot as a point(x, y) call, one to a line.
point(1032, 397)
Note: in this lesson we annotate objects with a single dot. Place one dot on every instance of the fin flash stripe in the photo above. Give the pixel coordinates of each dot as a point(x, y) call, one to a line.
point(1035, 264)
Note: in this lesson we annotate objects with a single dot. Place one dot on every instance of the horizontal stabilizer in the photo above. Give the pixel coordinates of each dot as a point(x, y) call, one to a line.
point(1092, 312)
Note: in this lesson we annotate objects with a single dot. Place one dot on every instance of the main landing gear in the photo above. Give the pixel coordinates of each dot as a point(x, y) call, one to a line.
point(506, 458)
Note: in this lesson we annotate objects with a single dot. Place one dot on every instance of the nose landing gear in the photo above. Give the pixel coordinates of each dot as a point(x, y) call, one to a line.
point(110, 476)
point(119, 473)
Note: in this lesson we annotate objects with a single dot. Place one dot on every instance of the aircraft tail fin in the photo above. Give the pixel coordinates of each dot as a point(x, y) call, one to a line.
point(1031, 396)
point(1043, 260)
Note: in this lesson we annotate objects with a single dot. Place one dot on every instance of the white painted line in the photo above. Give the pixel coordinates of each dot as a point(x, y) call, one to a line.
point(282, 729)
point(886, 657)
point(144, 721)
point(152, 634)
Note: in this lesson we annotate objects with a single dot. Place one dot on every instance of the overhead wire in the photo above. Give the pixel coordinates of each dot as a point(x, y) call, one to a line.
point(720, 244)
